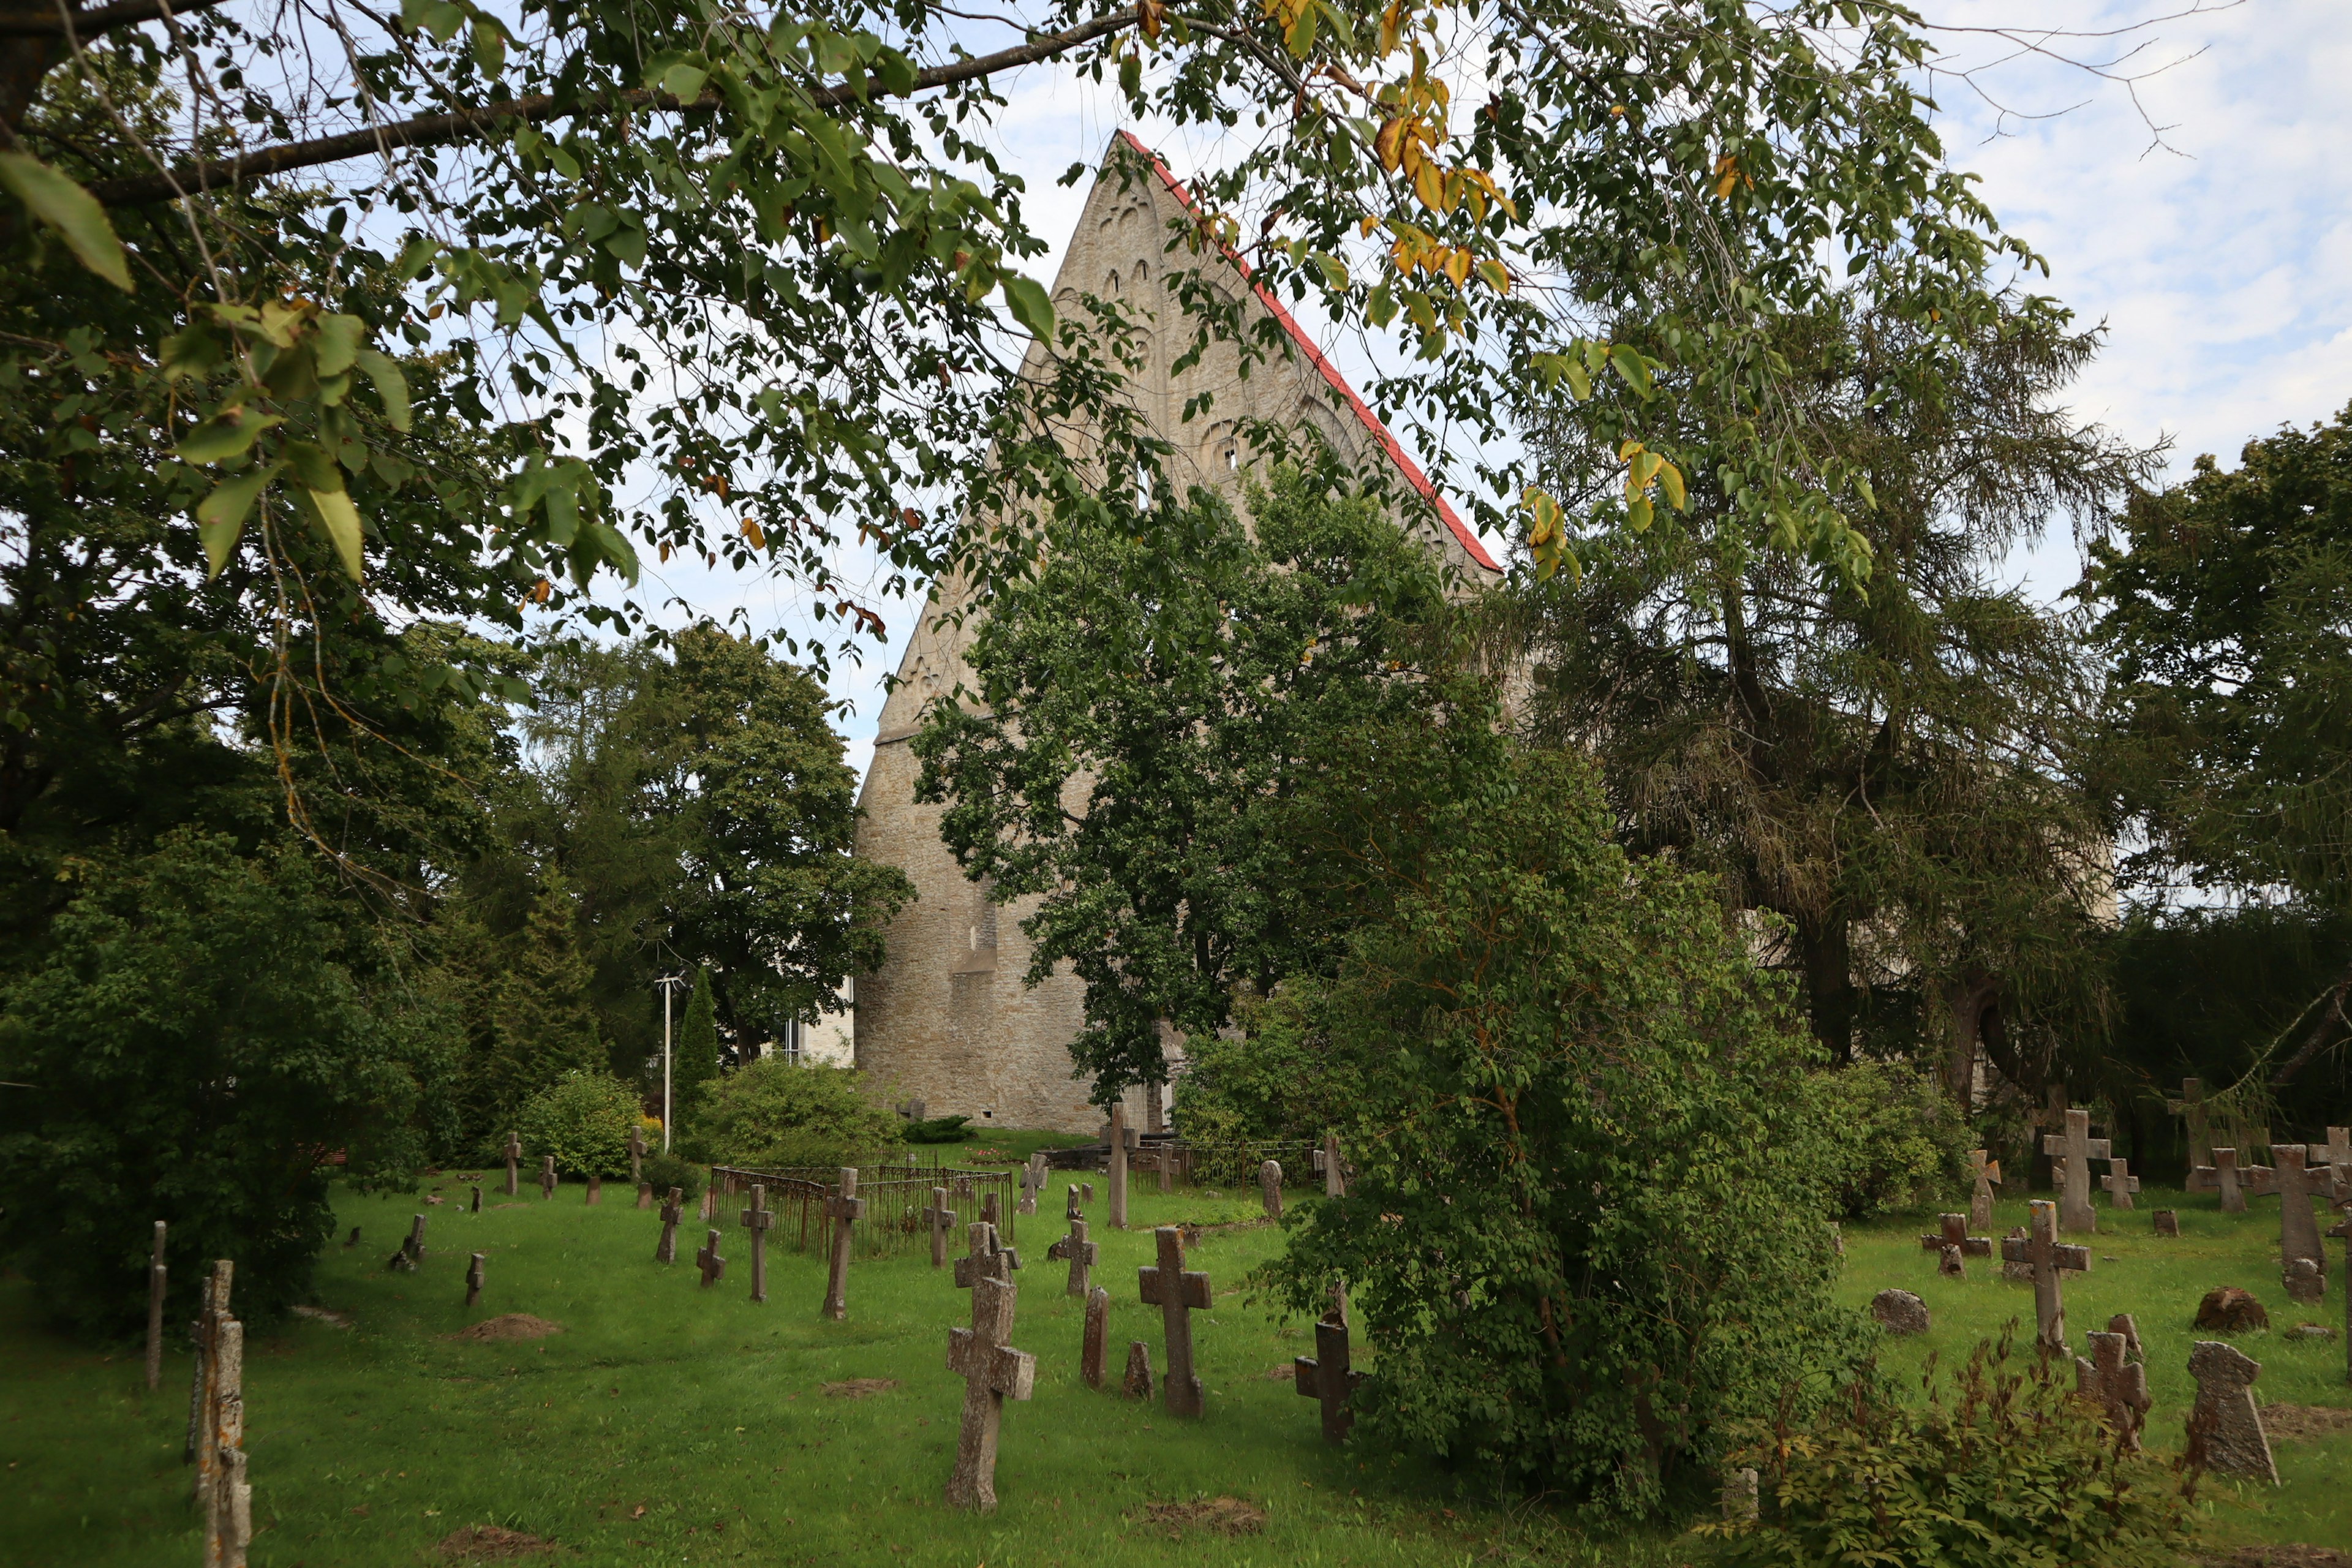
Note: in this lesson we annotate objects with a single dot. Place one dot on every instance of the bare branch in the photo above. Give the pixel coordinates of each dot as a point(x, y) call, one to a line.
point(95, 23)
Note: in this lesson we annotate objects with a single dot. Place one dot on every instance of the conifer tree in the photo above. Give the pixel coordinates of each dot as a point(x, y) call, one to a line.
point(694, 1059)
point(541, 1025)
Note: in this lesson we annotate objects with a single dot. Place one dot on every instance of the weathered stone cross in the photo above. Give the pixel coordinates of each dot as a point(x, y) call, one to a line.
point(713, 1265)
point(2225, 1429)
point(2337, 1152)
point(1033, 1177)
point(1955, 1238)
point(1988, 1177)
point(473, 1277)
point(757, 1219)
point(994, 1372)
point(989, 1258)
point(2291, 1178)
point(636, 1153)
point(1175, 1292)
point(666, 1250)
point(1079, 1252)
point(2041, 1248)
point(940, 1217)
point(1326, 1376)
point(2190, 1106)
point(547, 1177)
point(2079, 1148)
point(514, 1153)
point(2119, 1388)
point(2222, 1176)
point(845, 1208)
point(1121, 1140)
point(2120, 1184)
point(1071, 1209)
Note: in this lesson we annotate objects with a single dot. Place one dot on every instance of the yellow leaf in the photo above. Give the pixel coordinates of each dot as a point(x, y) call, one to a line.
point(1428, 185)
point(753, 531)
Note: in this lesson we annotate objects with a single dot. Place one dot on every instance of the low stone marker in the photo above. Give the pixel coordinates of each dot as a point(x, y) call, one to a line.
point(1177, 1293)
point(757, 1219)
point(666, 1250)
point(2337, 1153)
point(2116, 1382)
point(474, 1273)
point(2221, 1176)
point(2042, 1251)
point(352, 1240)
point(1270, 1188)
point(994, 1372)
point(514, 1154)
point(637, 1156)
point(1952, 1242)
point(845, 1208)
point(2078, 1148)
point(2168, 1222)
point(713, 1267)
point(412, 1248)
point(2226, 1310)
point(1739, 1495)
point(156, 1277)
point(2120, 1184)
point(595, 1189)
point(1988, 1177)
point(2304, 1281)
point(645, 1195)
point(940, 1217)
point(1326, 1376)
point(547, 1177)
point(1090, 1349)
point(1900, 1312)
point(1137, 1382)
point(2225, 1430)
point(1327, 1163)
point(1079, 1253)
point(986, 1258)
point(1121, 1138)
point(1089, 1189)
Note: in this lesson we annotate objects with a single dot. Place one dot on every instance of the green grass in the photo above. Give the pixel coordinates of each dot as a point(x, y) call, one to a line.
point(710, 1413)
point(2160, 1282)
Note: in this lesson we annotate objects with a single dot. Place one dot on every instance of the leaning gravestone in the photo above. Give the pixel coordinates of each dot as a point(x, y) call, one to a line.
point(938, 1216)
point(2296, 1183)
point(1079, 1253)
point(2120, 1184)
point(1090, 1349)
point(2168, 1222)
point(1739, 1496)
point(2047, 1256)
point(1988, 1176)
point(474, 1272)
point(2078, 1148)
point(994, 1372)
point(845, 1208)
point(352, 1240)
point(412, 1248)
point(547, 1177)
point(637, 1156)
point(1122, 1136)
point(1951, 1237)
point(666, 1250)
point(1270, 1188)
point(757, 1219)
point(1177, 1292)
point(1033, 1177)
point(1326, 1376)
point(2225, 1430)
point(1138, 1383)
point(1900, 1312)
point(2115, 1382)
point(713, 1267)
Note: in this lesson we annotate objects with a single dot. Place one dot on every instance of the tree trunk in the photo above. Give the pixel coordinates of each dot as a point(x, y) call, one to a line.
point(1824, 949)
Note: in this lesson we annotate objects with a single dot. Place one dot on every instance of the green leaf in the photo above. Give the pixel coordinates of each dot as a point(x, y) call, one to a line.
point(341, 521)
point(73, 212)
point(339, 338)
point(220, 516)
point(313, 466)
point(230, 435)
point(896, 71)
point(442, 21)
point(1131, 73)
point(684, 82)
point(490, 47)
point(1640, 514)
point(1025, 296)
point(562, 513)
point(191, 351)
point(391, 386)
point(1380, 309)
point(1630, 364)
point(1670, 479)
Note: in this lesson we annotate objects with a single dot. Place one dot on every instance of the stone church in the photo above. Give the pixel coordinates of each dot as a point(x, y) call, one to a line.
point(946, 1020)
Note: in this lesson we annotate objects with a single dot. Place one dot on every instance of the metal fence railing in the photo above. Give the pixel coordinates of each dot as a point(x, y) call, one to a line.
point(896, 1197)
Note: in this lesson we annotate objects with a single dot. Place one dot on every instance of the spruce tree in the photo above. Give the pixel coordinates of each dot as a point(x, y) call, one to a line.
point(694, 1059)
point(542, 1026)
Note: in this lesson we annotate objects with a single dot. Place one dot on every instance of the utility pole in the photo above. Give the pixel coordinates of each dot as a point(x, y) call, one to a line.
point(670, 984)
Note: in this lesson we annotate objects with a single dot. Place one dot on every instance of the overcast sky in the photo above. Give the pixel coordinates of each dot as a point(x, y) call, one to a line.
point(2220, 259)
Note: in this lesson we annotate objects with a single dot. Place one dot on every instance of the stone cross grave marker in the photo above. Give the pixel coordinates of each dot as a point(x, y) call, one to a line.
point(2296, 1183)
point(707, 1257)
point(514, 1154)
point(1327, 1163)
point(938, 1216)
point(1326, 1376)
point(595, 1189)
point(1079, 1253)
point(2190, 1107)
point(989, 1211)
point(2041, 1248)
point(637, 1154)
point(994, 1372)
point(547, 1177)
point(2343, 1229)
point(1033, 1177)
point(666, 1250)
point(2120, 1184)
point(1953, 1237)
point(2337, 1153)
point(1136, 1385)
point(757, 1219)
point(1270, 1188)
point(2221, 1176)
point(474, 1272)
point(1071, 1208)
point(2078, 1149)
point(1176, 1292)
point(1090, 1349)
point(2118, 1386)
point(845, 1208)
point(2225, 1430)
point(1988, 1177)
point(156, 1277)
point(989, 1258)
point(1121, 1139)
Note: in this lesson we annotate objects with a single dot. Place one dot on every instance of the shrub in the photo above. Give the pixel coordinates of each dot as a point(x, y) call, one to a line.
point(1277, 1077)
point(938, 1130)
point(584, 1120)
point(773, 1113)
point(667, 1171)
point(1892, 1142)
point(2013, 1469)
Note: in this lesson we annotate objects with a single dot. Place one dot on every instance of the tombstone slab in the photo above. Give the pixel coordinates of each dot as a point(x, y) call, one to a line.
point(1177, 1292)
point(547, 1177)
point(1900, 1312)
point(514, 1154)
point(1121, 1138)
point(845, 1208)
point(637, 1157)
point(2047, 1257)
point(2304, 1281)
point(2291, 1178)
point(595, 1189)
point(1090, 1349)
point(476, 1206)
point(666, 1250)
point(2166, 1222)
point(1327, 1163)
point(1138, 1383)
point(2225, 1430)
point(2078, 1149)
point(713, 1267)
point(1326, 1376)
point(474, 1274)
point(994, 1372)
point(645, 1195)
point(1738, 1497)
point(1270, 1188)
point(2117, 1385)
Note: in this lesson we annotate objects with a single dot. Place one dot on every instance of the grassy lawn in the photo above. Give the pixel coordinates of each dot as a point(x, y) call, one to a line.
point(672, 1424)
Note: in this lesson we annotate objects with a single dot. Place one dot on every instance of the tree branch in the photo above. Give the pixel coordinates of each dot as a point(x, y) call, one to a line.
point(47, 24)
point(459, 125)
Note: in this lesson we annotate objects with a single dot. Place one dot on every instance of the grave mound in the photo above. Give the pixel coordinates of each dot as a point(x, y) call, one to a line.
point(2301, 1422)
point(2291, 1556)
point(861, 1387)
point(326, 1315)
point(508, 1326)
point(490, 1543)
point(2229, 1310)
point(1223, 1515)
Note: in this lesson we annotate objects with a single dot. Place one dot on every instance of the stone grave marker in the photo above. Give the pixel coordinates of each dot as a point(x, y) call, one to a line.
point(2117, 1385)
point(156, 1277)
point(2191, 1108)
point(514, 1154)
point(474, 1273)
point(1089, 1189)
point(225, 1493)
point(2042, 1251)
point(1177, 1293)
point(2337, 1153)
point(713, 1267)
point(2291, 1177)
point(938, 1216)
point(213, 1297)
point(352, 1240)
point(1137, 1382)
point(1079, 1253)
point(988, 1258)
point(2225, 1430)
point(1033, 1177)
point(1123, 1138)
point(666, 1250)
point(2168, 1222)
point(1900, 1312)
point(1090, 1349)
point(2225, 1177)
point(595, 1189)
point(1163, 1163)
point(2304, 1281)
point(1270, 1188)
point(637, 1154)
point(645, 1195)
point(2120, 1184)
point(1327, 1164)
point(757, 1219)
point(994, 1372)
point(2078, 1149)
point(547, 1177)
point(1988, 1177)
point(411, 1248)
point(1952, 1238)
point(1326, 1376)
point(2343, 1227)
point(476, 1206)
point(1738, 1497)
point(845, 1208)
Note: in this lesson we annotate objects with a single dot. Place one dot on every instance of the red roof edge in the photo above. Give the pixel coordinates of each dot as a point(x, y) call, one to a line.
point(1316, 357)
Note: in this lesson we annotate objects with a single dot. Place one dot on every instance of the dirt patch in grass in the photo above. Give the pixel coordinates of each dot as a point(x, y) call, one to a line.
point(511, 1326)
point(490, 1543)
point(2301, 1422)
point(861, 1387)
point(326, 1315)
point(1218, 1515)
point(1286, 1372)
point(2290, 1557)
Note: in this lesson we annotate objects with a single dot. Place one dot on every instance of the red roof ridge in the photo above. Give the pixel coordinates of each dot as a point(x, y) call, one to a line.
point(1316, 357)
